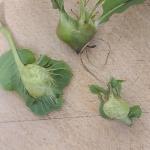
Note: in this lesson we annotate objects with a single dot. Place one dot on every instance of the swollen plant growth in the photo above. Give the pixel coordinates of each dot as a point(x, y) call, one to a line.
point(112, 105)
point(77, 32)
point(40, 82)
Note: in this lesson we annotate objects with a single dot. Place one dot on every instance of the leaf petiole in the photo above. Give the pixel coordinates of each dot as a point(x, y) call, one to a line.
point(11, 43)
point(95, 7)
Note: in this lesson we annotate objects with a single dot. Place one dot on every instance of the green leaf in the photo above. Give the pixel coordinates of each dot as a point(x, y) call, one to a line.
point(58, 4)
point(116, 6)
point(8, 67)
point(60, 71)
point(115, 86)
point(10, 79)
point(95, 89)
point(135, 112)
point(26, 56)
point(42, 105)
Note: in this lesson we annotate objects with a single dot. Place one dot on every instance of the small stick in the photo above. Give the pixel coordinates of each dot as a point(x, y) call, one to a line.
point(88, 70)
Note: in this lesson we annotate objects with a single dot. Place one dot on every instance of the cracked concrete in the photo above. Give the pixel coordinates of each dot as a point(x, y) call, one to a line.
point(78, 125)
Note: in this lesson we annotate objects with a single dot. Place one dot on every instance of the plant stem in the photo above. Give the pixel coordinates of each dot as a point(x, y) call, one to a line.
point(9, 38)
point(95, 7)
point(82, 10)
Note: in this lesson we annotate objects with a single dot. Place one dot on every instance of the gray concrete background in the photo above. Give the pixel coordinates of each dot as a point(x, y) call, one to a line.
point(77, 126)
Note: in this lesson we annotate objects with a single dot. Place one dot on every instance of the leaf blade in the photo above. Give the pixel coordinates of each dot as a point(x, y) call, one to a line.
point(95, 89)
point(9, 70)
point(58, 4)
point(135, 112)
point(111, 7)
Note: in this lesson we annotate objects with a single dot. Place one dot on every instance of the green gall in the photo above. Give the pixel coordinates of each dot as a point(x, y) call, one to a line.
point(36, 80)
point(78, 31)
point(112, 105)
point(117, 108)
point(73, 33)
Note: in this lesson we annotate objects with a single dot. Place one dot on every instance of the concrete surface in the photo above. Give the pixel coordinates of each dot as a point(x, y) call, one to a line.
point(77, 126)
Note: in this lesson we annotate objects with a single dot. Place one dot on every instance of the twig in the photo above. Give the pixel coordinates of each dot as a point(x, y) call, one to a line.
point(87, 69)
point(109, 51)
